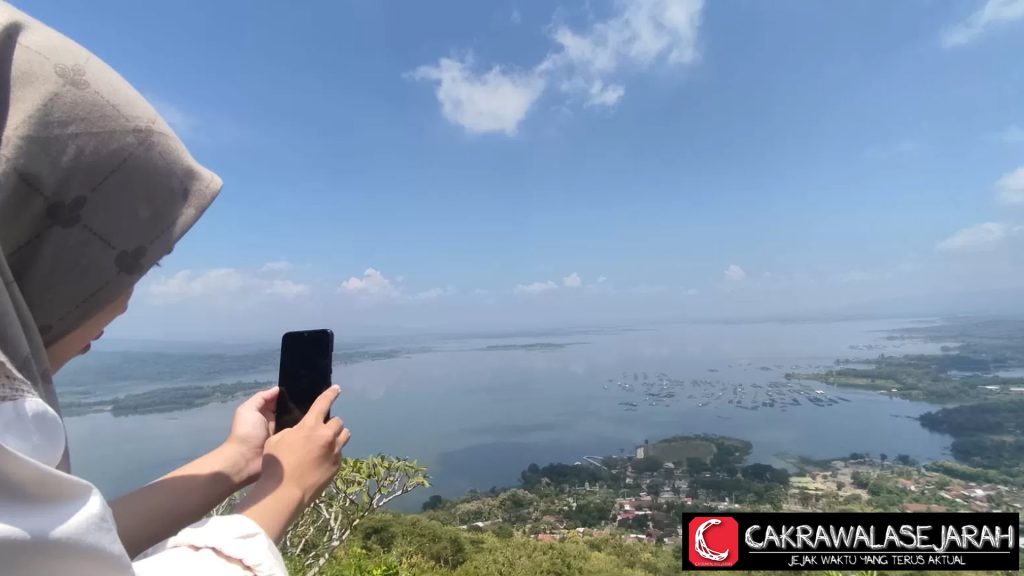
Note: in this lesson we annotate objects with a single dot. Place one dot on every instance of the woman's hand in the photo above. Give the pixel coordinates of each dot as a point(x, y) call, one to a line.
point(298, 463)
point(162, 508)
point(252, 426)
point(307, 456)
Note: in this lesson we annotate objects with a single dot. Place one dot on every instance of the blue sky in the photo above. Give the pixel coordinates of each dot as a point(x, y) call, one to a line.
point(453, 165)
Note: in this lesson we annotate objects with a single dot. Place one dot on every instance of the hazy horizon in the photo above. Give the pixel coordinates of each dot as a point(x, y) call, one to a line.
point(133, 328)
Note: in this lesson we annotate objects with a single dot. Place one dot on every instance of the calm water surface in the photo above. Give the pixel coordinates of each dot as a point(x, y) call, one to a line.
point(476, 418)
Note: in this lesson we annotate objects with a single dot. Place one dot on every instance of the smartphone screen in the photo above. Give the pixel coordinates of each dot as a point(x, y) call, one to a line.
point(306, 359)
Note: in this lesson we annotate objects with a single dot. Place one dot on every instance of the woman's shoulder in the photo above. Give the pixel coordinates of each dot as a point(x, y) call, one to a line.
point(28, 425)
point(54, 523)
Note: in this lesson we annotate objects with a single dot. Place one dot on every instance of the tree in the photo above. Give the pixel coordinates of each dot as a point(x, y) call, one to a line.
point(883, 457)
point(469, 511)
point(405, 535)
point(360, 488)
point(696, 466)
point(435, 502)
point(516, 506)
point(728, 470)
point(647, 465)
point(654, 488)
point(905, 460)
point(860, 479)
point(766, 473)
point(358, 561)
point(591, 512)
point(561, 475)
point(774, 497)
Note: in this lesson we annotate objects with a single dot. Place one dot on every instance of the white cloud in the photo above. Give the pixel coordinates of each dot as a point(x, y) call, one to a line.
point(572, 281)
point(641, 33)
point(183, 123)
point(495, 101)
point(536, 288)
point(428, 294)
point(978, 238)
point(516, 16)
point(585, 64)
point(1010, 188)
point(374, 287)
point(602, 279)
point(691, 292)
point(1012, 134)
point(432, 294)
point(600, 94)
point(993, 12)
point(735, 273)
point(219, 283)
point(276, 266)
point(185, 284)
point(372, 284)
point(287, 289)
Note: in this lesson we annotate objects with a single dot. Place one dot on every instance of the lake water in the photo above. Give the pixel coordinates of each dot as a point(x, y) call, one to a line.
point(476, 418)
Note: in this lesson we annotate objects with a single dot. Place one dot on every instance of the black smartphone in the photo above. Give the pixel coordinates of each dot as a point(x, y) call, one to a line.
point(306, 363)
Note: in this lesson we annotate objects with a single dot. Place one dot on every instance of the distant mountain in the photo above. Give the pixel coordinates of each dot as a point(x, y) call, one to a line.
point(182, 347)
point(1000, 302)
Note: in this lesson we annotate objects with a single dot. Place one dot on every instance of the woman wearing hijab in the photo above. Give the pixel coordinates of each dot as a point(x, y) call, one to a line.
point(94, 189)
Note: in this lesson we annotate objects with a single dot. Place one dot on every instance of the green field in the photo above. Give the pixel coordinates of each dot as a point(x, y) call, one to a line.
point(705, 447)
point(679, 449)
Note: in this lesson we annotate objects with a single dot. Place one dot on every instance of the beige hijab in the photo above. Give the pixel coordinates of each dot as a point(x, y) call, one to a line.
point(94, 189)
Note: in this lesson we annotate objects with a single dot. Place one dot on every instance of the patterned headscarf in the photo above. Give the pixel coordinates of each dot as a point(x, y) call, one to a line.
point(94, 189)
